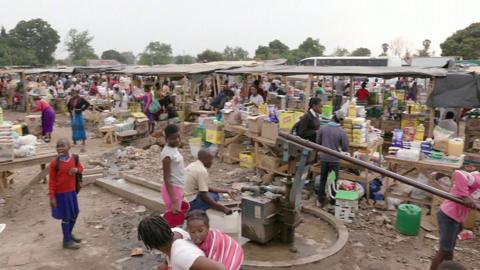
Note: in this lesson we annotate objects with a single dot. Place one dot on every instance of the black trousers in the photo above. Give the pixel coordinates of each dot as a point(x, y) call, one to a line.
point(326, 168)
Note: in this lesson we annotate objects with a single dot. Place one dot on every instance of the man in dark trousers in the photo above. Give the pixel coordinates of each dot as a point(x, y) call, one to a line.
point(334, 137)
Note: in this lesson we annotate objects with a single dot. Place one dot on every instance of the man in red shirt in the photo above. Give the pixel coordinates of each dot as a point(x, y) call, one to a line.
point(362, 94)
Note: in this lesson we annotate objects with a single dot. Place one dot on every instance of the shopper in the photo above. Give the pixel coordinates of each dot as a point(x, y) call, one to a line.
point(216, 245)
point(448, 123)
point(334, 137)
point(309, 123)
point(48, 117)
point(76, 106)
point(173, 172)
point(197, 190)
point(339, 88)
point(62, 185)
point(181, 254)
point(147, 101)
point(362, 95)
point(451, 215)
point(255, 98)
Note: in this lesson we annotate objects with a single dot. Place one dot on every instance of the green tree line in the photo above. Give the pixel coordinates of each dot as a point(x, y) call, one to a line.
point(34, 42)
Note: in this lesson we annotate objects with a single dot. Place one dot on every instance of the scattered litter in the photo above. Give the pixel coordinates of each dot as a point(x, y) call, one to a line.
point(2, 227)
point(99, 227)
point(358, 244)
point(466, 235)
point(140, 209)
point(122, 260)
point(431, 236)
point(136, 252)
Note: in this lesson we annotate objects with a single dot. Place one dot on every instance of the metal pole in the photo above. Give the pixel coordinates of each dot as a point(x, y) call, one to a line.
point(374, 168)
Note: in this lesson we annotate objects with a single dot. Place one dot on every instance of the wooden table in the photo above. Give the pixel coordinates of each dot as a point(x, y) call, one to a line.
point(421, 166)
point(42, 158)
point(258, 142)
point(369, 148)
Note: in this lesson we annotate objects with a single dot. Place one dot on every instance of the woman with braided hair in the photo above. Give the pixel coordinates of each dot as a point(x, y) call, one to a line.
point(181, 254)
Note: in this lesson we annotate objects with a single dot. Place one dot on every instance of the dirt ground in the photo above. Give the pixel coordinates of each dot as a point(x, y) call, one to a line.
point(107, 224)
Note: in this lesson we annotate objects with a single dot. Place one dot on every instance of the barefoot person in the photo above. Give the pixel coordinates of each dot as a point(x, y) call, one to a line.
point(48, 116)
point(181, 254)
point(76, 106)
point(216, 245)
point(451, 215)
point(62, 192)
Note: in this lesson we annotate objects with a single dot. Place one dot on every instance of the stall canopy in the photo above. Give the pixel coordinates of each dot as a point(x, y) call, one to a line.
point(382, 72)
point(456, 90)
point(68, 70)
point(98, 69)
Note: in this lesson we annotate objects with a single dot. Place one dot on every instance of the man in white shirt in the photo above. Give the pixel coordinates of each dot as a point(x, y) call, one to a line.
point(255, 98)
point(197, 192)
point(181, 254)
point(448, 123)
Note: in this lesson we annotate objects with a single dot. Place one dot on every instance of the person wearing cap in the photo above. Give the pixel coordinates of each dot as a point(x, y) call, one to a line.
point(451, 215)
point(48, 116)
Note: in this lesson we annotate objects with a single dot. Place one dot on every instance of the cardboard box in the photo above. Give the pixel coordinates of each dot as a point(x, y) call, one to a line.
point(270, 131)
point(269, 162)
point(441, 145)
point(472, 124)
point(232, 118)
point(141, 125)
point(6, 152)
point(254, 123)
point(247, 159)
point(34, 124)
point(288, 119)
point(232, 155)
point(214, 136)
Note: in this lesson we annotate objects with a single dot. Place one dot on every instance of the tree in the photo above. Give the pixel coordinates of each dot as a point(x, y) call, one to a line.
point(156, 53)
point(398, 46)
point(276, 49)
point(3, 33)
point(361, 52)
point(184, 59)
point(308, 48)
point(209, 56)
point(426, 47)
point(464, 43)
point(341, 52)
point(113, 55)
point(129, 57)
point(37, 36)
point(234, 54)
point(78, 47)
point(385, 48)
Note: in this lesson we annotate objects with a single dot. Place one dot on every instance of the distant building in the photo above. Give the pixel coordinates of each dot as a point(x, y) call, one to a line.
point(440, 61)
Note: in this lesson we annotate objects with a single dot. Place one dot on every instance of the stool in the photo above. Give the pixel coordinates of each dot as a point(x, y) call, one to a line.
point(346, 203)
point(108, 133)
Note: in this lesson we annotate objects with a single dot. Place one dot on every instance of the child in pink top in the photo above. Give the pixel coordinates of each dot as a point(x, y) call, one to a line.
point(452, 215)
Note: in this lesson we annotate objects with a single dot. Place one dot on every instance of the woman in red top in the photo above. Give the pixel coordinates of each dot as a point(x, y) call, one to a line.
point(62, 192)
point(48, 117)
point(362, 94)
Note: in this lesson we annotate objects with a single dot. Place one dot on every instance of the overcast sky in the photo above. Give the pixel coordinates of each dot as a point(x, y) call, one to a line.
point(191, 26)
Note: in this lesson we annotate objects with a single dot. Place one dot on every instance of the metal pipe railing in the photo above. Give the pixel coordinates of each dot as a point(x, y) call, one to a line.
point(395, 176)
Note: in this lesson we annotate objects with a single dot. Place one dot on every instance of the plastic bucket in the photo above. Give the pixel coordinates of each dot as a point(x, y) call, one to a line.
point(195, 146)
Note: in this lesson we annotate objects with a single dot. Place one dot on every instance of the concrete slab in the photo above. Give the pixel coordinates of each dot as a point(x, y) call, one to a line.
point(141, 181)
point(90, 179)
point(141, 195)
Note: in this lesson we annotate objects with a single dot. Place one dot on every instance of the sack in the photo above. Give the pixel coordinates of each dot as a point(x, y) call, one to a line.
point(154, 106)
point(78, 176)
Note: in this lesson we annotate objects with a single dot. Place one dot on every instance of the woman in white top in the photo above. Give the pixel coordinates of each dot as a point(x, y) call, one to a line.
point(255, 98)
point(181, 254)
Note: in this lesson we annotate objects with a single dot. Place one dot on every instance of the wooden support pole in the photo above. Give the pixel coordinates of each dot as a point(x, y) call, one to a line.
point(184, 100)
point(432, 111)
point(308, 91)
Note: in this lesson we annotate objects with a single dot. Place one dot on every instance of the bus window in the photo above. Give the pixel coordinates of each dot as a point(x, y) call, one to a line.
point(307, 62)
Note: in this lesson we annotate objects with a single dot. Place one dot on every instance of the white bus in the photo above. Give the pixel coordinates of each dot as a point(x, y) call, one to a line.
point(363, 61)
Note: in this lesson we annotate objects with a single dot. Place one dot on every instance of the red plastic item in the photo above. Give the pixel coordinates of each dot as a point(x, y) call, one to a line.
point(466, 235)
point(177, 219)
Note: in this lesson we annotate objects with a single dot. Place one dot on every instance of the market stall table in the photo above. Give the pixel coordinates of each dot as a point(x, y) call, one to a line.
point(421, 166)
point(42, 158)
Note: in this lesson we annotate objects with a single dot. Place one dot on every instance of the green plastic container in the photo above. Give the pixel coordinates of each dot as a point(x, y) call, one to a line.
point(408, 219)
point(327, 110)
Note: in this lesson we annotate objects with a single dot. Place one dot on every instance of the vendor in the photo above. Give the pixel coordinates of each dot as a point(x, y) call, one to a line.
point(448, 123)
point(310, 121)
point(452, 215)
point(334, 137)
point(362, 94)
point(197, 192)
point(255, 98)
point(48, 117)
